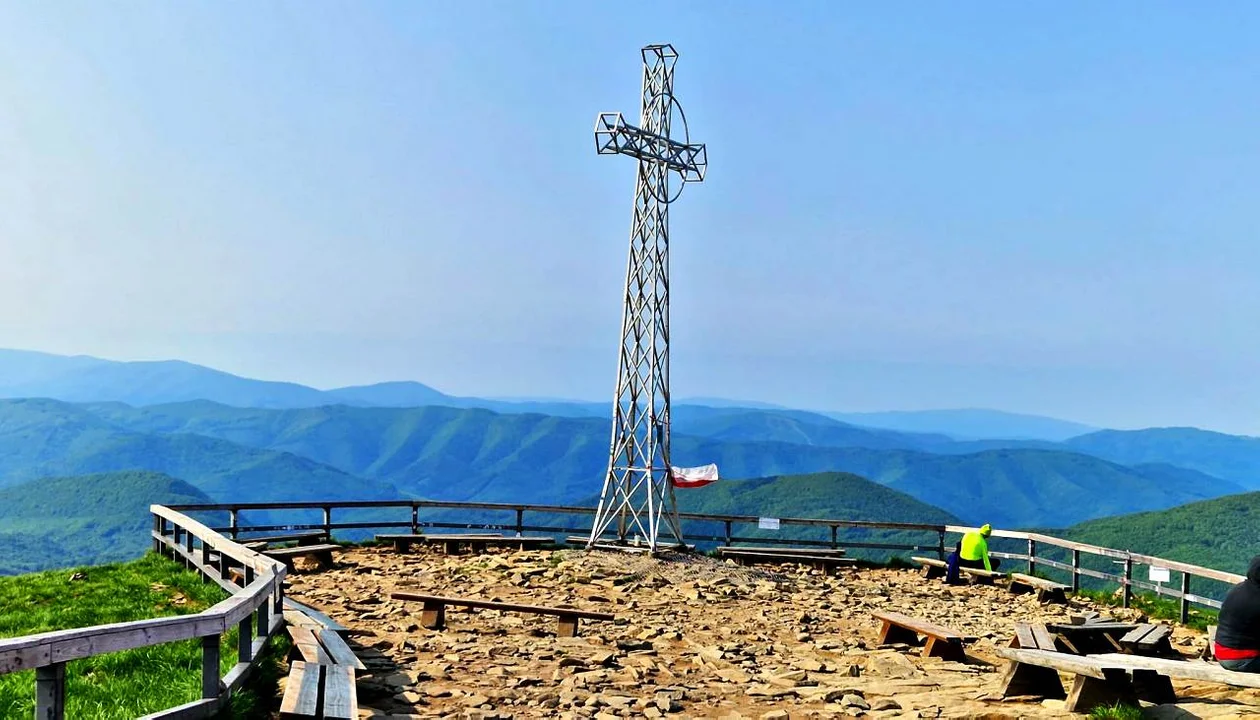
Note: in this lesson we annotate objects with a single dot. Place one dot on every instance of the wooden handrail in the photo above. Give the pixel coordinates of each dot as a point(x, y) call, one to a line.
point(257, 605)
point(1127, 558)
point(530, 507)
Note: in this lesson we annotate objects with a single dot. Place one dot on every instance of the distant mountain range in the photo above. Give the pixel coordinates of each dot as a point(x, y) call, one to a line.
point(233, 439)
point(342, 452)
point(25, 373)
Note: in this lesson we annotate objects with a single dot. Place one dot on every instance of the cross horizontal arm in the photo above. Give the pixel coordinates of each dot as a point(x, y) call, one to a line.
point(614, 135)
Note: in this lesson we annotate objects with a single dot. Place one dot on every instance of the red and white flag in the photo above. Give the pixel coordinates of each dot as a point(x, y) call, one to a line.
point(694, 476)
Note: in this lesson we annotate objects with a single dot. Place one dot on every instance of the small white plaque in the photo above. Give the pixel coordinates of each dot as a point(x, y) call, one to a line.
point(768, 523)
point(1159, 574)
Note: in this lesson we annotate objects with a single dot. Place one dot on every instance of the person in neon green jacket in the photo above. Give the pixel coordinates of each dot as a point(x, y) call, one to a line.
point(973, 551)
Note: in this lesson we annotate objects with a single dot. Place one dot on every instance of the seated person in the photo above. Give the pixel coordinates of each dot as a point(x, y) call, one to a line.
point(1238, 629)
point(973, 551)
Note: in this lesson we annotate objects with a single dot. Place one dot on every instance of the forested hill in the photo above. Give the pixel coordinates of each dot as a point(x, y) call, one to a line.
point(88, 519)
point(342, 452)
point(1222, 533)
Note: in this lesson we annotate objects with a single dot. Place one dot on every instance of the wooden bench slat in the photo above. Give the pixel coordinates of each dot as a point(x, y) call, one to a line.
point(1024, 635)
point(340, 699)
point(1137, 633)
point(1078, 664)
point(1183, 669)
point(1045, 640)
point(301, 692)
point(304, 640)
point(491, 605)
point(291, 605)
point(1155, 637)
point(338, 650)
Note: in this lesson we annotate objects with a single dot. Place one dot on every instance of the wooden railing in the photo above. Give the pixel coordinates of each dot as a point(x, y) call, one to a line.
point(831, 528)
point(1126, 559)
point(414, 523)
point(260, 601)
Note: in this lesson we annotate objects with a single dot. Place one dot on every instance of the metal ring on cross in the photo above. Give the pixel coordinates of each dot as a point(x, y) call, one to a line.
point(673, 103)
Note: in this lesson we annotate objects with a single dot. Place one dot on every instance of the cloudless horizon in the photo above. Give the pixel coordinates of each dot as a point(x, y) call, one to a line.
point(1039, 210)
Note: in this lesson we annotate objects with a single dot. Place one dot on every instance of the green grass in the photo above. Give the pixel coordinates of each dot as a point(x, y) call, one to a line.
point(1119, 711)
point(1154, 607)
point(124, 684)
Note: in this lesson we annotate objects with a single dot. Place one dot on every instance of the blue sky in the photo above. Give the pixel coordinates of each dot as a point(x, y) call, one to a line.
point(1038, 208)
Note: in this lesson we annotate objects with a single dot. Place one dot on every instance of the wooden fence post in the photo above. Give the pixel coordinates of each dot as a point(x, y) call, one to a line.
point(728, 533)
point(415, 519)
point(279, 609)
point(327, 523)
point(940, 544)
point(1076, 571)
point(1128, 576)
point(834, 541)
point(245, 639)
point(520, 521)
point(264, 620)
point(232, 523)
point(1185, 590)
point(157, 528)
point(1032, 555)
point(50, 692)
point(210, 666)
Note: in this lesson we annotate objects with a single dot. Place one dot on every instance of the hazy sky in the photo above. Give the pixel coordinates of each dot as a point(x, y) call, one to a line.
point(1046, 209)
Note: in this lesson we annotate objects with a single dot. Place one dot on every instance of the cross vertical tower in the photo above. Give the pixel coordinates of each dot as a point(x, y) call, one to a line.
point(638, 493)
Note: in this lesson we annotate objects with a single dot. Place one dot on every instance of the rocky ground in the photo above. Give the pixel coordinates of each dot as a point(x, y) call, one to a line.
point(694, 637)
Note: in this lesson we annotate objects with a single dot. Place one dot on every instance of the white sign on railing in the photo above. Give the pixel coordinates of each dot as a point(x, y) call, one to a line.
point(1159, 574)
point(768, 523)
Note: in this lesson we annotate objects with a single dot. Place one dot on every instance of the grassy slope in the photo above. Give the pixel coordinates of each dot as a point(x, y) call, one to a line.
point(60, 522)
point(126, 684)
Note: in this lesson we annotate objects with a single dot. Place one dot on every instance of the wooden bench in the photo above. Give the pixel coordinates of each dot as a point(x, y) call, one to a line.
point(451, 543)
point(1109, 678)
point(941, 641)
point(749, 556)
point(433, 615)
point(833, 552)
point(610, 543)
point(401, 543)
point(322, 553)
point(322, 683)
point(1047, 591)
point(933, 568)
point(304, 537)
point(315, 690)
